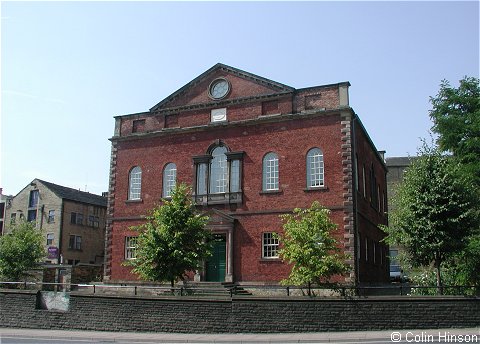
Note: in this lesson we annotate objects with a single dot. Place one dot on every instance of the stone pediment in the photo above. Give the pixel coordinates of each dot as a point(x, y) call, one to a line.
point(220, 221)
point(221, 84)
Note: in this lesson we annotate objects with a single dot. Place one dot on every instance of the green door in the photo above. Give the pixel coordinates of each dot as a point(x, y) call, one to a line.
point(217, 263)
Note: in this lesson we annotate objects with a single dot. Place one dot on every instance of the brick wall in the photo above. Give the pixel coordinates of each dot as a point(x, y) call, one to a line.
point(259, 211)
point(248, 315)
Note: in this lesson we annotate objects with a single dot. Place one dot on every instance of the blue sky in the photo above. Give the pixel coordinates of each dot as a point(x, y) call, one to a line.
point(68, 67)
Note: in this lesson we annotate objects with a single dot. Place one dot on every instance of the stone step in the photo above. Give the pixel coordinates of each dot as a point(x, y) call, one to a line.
point(218, 288)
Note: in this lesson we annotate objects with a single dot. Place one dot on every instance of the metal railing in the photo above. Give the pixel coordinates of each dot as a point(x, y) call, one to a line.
point(252, 290)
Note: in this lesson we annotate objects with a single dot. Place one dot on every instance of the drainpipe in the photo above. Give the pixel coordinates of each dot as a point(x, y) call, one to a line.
point(60, 235)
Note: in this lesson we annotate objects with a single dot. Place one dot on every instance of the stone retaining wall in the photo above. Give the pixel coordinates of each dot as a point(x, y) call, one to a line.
point(241, 314)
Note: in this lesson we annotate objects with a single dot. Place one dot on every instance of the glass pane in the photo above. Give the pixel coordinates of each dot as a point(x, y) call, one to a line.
point(135, 183)
point(32, 215)
point(270, 246)
point(33, 198)
point(270, 172)
point(315, 172)
point(235, 176)
point(218, 171)
point(169, 179)
point(201, 179)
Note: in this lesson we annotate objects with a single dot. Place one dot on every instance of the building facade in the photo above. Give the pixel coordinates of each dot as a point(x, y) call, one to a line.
point(396, 169)
point(3, 202)
point(71, 221)
point(252, 149)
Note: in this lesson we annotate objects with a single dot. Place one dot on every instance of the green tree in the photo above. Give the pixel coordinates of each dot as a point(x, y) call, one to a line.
point(434, 211)
point(173, 240)
point(456, 119)
point(20, 251)
point(466, 263)
point(309, 246)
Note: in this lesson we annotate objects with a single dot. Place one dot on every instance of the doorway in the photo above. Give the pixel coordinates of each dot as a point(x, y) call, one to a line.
point(216, 265)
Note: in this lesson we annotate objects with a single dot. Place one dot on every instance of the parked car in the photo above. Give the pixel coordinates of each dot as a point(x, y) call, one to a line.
point(396, 273)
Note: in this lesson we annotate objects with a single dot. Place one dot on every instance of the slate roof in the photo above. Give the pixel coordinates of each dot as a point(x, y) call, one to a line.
point(75, 195)
point(399, 161)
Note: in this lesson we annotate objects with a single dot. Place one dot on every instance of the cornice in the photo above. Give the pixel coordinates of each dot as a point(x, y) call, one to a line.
point(219, 103)
point(223, 125)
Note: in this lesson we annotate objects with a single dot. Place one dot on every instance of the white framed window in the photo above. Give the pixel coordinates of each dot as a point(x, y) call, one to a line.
point(51, 216)
point(269, 245)
point(315, 168)
point(235, 176)
point(201, 179)
point(130, 247)
point(50, 237)
point(169, 179)
point(135, 183)
point(219, 171)
point(218, 175)
point(270, 172)
point(75, 242)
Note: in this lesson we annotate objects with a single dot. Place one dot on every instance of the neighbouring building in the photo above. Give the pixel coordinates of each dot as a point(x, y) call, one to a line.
point(4, 199)
point(252, 149)
point(71, 221)
point(396, 168)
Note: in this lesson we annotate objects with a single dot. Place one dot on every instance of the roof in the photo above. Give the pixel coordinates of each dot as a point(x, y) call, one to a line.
point(399, 161)
point(75, 195)
point(244, 74)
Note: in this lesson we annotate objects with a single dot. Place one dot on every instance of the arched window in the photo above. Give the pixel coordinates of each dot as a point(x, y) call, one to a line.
point(135, 183)
point(218, 175)
point(169, 179)
point(218, 171)
point(315, 169)
point(270, 172)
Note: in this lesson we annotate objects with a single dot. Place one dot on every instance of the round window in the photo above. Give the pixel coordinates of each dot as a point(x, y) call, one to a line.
point(219, 88)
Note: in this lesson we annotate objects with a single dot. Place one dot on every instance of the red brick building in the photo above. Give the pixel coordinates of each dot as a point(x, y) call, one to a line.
point(252, 149)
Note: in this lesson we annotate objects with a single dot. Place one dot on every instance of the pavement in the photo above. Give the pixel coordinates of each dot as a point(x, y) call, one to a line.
point(14, 335)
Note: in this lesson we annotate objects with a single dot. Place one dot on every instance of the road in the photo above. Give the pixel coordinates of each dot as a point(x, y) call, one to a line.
point(29, 336)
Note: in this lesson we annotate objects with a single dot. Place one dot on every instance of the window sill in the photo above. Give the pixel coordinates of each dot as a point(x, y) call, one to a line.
point(133, 201)
point(271, 192)
point(318, 188)
point(220, 198)
point(270, 260)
